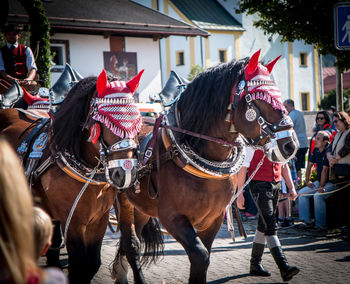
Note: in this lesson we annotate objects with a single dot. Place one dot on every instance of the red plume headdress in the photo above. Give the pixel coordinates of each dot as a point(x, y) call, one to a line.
point(116, 108)
point(35, 102)
point(259, 83)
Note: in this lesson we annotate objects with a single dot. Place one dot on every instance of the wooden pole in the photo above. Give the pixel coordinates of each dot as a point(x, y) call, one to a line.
point(339, 89)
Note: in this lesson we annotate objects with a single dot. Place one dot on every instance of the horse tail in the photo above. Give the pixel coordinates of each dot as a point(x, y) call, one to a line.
point(153, 242)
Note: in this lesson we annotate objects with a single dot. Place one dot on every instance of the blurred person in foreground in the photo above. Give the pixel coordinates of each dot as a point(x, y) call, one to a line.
point(17, 245)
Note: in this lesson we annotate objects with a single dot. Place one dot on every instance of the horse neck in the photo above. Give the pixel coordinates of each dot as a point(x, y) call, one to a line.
point(89, 150)
point(218, 152)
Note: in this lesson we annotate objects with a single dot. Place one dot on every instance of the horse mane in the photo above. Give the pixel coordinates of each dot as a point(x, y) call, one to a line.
point(204, 102)
point(69, 119)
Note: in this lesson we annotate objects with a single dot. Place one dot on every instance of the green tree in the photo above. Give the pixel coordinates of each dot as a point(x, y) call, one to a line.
point(330, 100)
point(310, 21)
point(40, 34)
point(195, 70)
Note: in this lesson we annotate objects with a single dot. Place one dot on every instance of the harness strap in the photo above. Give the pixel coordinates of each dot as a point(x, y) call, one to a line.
point(74, 174)
point(43, 167)
point(185, 166)
point(22, 150)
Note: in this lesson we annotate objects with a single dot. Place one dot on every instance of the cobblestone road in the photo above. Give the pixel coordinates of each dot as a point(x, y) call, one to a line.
point(322, 259)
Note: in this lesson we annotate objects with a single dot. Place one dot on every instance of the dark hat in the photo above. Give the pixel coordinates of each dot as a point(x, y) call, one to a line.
point(12, 27)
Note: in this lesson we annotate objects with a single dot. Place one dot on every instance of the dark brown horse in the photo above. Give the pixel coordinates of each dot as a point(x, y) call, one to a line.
point(192, 178)
point(84, 158)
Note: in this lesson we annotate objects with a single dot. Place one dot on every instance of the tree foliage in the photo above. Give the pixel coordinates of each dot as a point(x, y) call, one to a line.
point(330, 100)
point(310, 21)
point(195, 70)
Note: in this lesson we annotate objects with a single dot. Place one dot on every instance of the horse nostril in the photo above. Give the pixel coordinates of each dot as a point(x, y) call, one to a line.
point(288, 148)
point(115, 175)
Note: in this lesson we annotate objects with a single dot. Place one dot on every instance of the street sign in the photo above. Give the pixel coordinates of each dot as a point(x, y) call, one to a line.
point(342, 25)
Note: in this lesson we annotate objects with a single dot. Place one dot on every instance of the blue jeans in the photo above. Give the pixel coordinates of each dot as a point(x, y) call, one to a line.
point(319, 203)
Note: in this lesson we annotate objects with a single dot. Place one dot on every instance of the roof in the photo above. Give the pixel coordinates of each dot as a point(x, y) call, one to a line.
point(113, 17)
point(208, 15)
point(329, 79)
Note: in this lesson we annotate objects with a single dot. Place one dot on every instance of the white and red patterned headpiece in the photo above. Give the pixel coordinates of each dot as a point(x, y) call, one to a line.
point(259, 83)
point(35, 102)
point(116, 108)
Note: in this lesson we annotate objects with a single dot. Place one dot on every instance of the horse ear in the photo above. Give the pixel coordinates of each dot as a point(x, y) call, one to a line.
point(102, 82)
point(270, 65)
point(253, 62)
point(134, 82)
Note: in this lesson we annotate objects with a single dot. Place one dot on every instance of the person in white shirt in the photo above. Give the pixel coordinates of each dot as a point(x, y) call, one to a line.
point(16, 60)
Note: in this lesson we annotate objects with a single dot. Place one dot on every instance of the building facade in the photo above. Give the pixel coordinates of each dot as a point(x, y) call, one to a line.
point(297, 73)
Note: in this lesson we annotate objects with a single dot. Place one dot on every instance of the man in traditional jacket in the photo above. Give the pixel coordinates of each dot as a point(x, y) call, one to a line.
point(16, 60)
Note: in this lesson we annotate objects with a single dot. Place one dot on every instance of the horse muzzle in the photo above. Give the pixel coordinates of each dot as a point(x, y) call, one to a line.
point(121, 173)
point(282, 147)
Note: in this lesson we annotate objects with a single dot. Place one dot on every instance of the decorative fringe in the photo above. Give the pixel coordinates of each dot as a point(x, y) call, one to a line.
point(120, 131)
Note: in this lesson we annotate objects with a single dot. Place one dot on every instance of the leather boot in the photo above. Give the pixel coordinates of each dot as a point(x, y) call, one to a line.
point(287, 271)
point(256, 267)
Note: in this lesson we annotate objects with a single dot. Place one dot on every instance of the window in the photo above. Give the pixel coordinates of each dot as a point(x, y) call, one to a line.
point(180, 58)
point(303, 59)
point(60, 54)
point(305, 101)
point(222, 55)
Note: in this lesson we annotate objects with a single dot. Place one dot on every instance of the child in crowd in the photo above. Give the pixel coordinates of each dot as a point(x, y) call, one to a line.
point(42, 232)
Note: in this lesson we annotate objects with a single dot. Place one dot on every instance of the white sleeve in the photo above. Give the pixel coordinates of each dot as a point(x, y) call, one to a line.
point(30, 62)
point(249, 153)
point(2, 65)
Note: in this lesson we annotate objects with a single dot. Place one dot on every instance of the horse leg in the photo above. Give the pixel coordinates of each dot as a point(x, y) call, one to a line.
point(129, 245)
point(182, 230)
point(53, 254)
point(207, 236)
point(93, 237)
point(78, 262)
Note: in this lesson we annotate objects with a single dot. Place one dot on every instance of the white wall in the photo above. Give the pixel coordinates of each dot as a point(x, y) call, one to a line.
point(147, 58)
point(303, 75)
point(221, 41)
point(271, 46)
point(86, 57)
point(85, 52)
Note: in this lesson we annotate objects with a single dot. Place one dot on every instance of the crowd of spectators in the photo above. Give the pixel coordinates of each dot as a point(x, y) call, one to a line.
point(326, 156)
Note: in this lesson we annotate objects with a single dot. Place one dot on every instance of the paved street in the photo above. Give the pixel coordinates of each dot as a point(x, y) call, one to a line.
point(323, 258)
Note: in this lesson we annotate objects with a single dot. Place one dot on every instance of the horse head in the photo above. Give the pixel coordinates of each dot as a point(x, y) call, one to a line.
point(116, 121)
point(235, 98)
point(107, 126)
point(260, 115)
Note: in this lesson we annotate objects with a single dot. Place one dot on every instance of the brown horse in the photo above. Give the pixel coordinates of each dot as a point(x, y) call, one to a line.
point(84, 158)
point(192, 179)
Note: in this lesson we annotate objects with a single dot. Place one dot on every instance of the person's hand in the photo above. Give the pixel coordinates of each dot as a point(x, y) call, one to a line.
point(332, 160)
point(320, 189)
point(292, 194)
point(310, 184)
point(240, 201)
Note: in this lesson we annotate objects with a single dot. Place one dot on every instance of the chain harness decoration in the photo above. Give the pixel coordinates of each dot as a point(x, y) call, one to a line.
point(114, 107)
point(257, 85)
